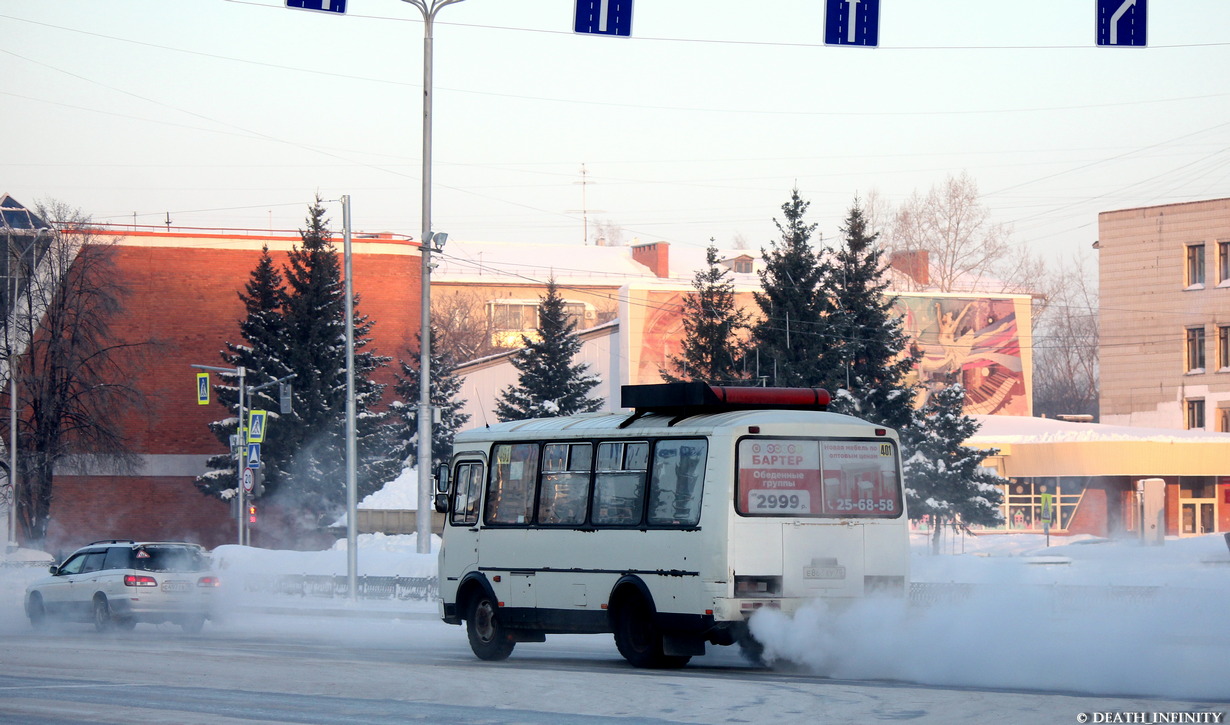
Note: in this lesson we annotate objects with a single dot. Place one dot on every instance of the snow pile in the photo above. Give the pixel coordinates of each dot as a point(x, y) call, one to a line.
point(377, 555)
point(402, 493)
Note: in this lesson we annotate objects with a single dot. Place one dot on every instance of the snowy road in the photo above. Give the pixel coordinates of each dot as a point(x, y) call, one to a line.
point(300, 669)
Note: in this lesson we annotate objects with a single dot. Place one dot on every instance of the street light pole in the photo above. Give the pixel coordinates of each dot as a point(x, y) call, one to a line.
point(428, 8)
point(352, 486)
point(11, 324)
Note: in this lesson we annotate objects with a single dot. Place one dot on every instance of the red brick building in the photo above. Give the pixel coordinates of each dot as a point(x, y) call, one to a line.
point(182, 296)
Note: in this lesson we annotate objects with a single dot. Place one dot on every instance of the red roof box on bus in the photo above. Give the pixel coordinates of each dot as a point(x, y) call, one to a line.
point(696, 397)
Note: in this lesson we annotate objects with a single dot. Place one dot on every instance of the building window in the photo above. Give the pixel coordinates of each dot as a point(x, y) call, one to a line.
point(1195, 349)
point(1223, 262)
point(1023, 503)
point(1195, 265)
point(1195, 413)
point(1223, 347)
point(511, 319)
point(1223, 420)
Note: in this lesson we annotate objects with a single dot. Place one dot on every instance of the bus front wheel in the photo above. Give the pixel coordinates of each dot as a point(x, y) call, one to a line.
point(639, 639)
point(488, 638)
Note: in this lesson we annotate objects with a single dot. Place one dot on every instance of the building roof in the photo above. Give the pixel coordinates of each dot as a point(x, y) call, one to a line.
point(514, 263)
point(1031, 447)
point(998, 429)
point(16, 218)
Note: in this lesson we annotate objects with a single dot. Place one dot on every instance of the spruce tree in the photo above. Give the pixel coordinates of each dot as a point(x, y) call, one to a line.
point(944, 478)
point(550, 384)
point(875, 354)
point(312, 477)
point(445, 386)
point(296, 324)
point(712, 349)
point(793, 343)
point(263, 358)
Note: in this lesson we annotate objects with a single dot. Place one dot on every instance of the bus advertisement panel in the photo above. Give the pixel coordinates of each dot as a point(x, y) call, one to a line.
point(860, 478)
point(798, 477)
point(779, 476)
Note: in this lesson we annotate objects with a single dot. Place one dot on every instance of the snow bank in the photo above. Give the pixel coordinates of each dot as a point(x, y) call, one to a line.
point(378, 555)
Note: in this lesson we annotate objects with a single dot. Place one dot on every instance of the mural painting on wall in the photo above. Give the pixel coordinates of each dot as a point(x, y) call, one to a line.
point(973, 340)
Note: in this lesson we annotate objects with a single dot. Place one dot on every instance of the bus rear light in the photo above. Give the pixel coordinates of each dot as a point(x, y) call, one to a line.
point(753, 429)
point(758, 586)
point(139, 580)
point(881, 431)
point(208, 581)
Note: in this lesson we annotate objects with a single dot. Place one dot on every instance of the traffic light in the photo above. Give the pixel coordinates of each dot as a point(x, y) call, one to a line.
point(251, 513)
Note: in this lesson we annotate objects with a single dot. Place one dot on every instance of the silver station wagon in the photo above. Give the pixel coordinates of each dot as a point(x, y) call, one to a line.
point(116, 584)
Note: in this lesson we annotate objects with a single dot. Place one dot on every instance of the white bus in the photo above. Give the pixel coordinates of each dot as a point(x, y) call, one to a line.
point(668, 526)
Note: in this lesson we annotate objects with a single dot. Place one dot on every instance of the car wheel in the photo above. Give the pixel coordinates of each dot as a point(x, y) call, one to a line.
point(193, 624)
point(36, 612)
point(103, 620)
point(488, 637)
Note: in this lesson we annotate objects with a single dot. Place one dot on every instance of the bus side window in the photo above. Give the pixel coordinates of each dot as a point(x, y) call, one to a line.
point(678, 478)
point(510, 492)
point(619, 485)
point(467, 485)
point(565, 483)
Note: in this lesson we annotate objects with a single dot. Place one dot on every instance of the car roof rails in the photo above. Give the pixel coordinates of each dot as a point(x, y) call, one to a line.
point(112, 541)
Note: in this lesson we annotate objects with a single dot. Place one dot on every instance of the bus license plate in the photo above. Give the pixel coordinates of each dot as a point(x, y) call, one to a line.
point(176, 586)
point(824, 572)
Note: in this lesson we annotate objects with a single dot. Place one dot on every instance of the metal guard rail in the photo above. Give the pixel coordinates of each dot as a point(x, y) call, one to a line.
point(330, 586)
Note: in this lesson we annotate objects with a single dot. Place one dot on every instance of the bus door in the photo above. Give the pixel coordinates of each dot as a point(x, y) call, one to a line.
point(507, 540)
point(461, 555)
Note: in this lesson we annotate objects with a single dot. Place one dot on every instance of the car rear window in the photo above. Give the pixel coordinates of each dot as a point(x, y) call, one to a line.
point(169, 558)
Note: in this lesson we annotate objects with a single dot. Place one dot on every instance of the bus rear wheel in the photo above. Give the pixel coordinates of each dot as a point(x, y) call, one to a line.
point(489, 639)
point(639, 639)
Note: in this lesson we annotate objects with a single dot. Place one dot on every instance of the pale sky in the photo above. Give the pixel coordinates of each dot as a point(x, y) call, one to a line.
point(235, 113)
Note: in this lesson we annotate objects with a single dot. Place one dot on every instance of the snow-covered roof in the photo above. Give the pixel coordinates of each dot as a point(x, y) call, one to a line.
point(504, 263)
point(999, 429)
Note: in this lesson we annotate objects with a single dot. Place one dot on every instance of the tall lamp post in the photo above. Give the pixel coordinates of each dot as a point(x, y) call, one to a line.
point(422, 522)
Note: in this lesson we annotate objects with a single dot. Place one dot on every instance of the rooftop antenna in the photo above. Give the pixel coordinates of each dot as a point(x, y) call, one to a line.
point(584, 210)
point(168, 221)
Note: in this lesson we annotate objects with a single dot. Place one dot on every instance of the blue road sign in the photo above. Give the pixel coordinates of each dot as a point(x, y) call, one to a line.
point(254, 455)
point(328, 6)
point(603, 17)
point(852, 22)
point(1122, 22)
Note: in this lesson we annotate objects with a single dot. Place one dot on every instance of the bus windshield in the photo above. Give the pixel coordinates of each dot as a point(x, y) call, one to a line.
point(818, 478)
